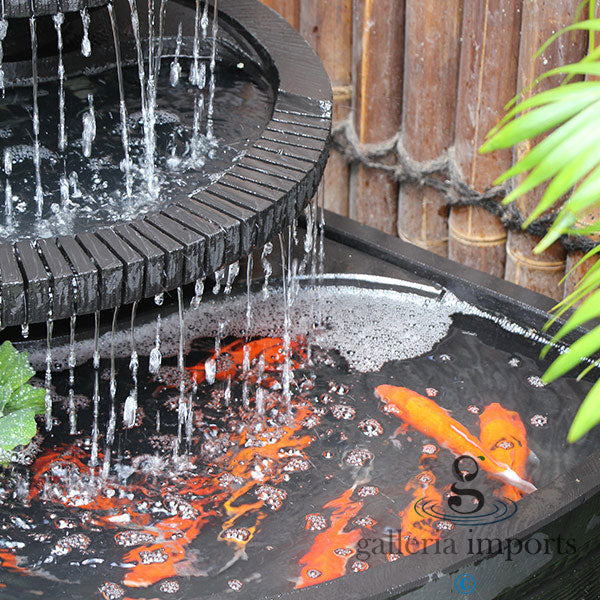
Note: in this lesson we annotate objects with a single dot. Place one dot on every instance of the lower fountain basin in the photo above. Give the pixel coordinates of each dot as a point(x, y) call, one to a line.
point(309, 509)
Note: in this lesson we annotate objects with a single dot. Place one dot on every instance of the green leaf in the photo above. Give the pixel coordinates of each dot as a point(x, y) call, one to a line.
point(564, 132)
point(564, 153)
point(589, 309)
point(15, 369)
point(565, 180)
point(539, 121)
point(19, 401)
point(546, 97)
point(560, 227)
point(580, 68)
point(586, 195)
point(585, 371)
point(589, 25)
point(582, 348)
point(17, 429)
point(585, 257)
point(27, 397)
point(588, 415)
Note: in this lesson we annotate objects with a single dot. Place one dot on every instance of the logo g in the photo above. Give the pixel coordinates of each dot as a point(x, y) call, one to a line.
point(455, 502)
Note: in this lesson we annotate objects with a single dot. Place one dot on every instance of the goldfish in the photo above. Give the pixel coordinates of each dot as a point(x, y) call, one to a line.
point(503, 435)
point(424, 415)
point(327, 557)
point(231, 357)
point(419, 531)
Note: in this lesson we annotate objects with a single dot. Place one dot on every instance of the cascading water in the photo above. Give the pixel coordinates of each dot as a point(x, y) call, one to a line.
point(164, 137)
point(123, 140)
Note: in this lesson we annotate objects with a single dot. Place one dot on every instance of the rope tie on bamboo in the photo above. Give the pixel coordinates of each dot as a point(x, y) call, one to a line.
point(442, 174)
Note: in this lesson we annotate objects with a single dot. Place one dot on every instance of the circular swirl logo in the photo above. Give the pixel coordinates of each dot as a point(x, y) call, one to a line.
point(495, 511)
point(465, 584)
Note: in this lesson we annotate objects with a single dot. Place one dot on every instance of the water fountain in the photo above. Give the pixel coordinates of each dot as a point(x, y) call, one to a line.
point(267, 438)
point(169, 238)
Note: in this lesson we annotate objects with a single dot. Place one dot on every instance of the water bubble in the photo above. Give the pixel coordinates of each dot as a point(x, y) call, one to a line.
point(315, 522)
point(210, 370)
point(343, 412)
point(86, 46)
point(130, 411)
point(111, 591)
point(358, 566)
point(535, 381)
point(367, 490)
point(358, 457)
point(155, 360)
point(235, 584)
point(370, 427)
point(538, 420)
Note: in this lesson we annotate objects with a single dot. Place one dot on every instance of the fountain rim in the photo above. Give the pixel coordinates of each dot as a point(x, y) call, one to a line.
point(105, 267)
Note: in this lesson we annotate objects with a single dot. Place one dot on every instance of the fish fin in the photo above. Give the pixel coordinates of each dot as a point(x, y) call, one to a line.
point(533, 458)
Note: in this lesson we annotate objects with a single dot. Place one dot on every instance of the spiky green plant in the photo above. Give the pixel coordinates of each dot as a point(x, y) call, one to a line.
point(567, 161)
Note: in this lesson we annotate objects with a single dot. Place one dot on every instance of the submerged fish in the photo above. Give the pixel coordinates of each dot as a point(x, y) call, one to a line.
point(230, 361)
point(503, 435)
point(418, 530)
point(424, 415)
point(327, 557)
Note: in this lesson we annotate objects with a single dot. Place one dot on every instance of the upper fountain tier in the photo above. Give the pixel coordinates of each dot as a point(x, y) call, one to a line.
point(183, 238)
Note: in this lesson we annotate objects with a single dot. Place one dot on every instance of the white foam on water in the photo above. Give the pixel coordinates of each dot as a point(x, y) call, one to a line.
point(368, 327)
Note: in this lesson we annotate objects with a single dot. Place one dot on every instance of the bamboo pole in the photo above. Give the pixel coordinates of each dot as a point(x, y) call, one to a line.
point(431, 63)
point(487, 80)
point(327, 26)
point(543, 272)
point(288, 9)
point(377, 101)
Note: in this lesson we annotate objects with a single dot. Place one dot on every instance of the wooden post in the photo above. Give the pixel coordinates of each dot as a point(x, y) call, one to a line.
point(327, 26)
point(541, 273)
point(431, 62)
point(487, 81)
point(288, 9)
point(377, 101)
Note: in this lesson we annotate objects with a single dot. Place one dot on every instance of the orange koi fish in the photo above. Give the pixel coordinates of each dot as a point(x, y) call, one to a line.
point(327, 557)
point(232, 357)
point(10, 561)
point(418, 531)
point(424, 415)
point(503, 435)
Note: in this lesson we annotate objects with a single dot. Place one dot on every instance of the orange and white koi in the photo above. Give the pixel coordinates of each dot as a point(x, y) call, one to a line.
point(424, 415)
point(503, 435)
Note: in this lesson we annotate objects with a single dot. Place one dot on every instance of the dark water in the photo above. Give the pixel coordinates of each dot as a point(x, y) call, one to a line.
point(243, 104)
point(232, 513)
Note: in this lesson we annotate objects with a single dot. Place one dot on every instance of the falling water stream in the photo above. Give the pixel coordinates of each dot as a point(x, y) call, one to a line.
point(175, 137)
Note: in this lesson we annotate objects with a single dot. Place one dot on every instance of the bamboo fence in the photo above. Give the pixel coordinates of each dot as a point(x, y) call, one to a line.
point(419, 83)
